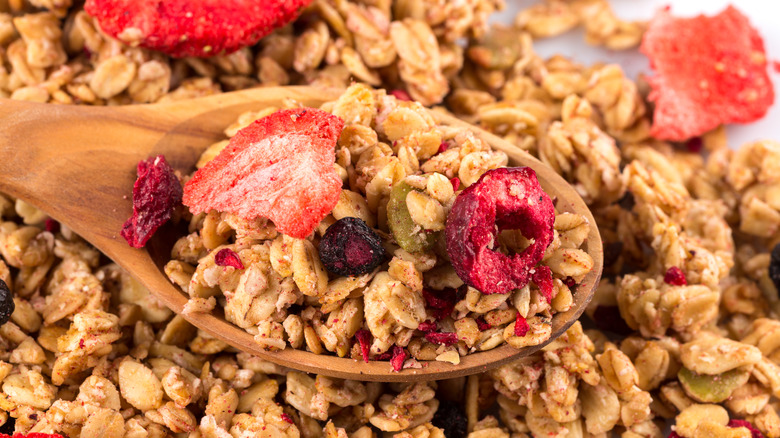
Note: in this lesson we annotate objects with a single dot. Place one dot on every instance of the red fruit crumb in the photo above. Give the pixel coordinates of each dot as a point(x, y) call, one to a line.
point(710, 71)
point(755, 433)
point(542, 277)
point(440, 302)
point(673, 434)
point(569, 282)
point(505, 198)
point(443, 146)
point(193, 28)
point(31, 435)
point(363, 337)
point(483, 325)
point(401, 95)
point(51, 225)
point(399, 357)
point(427, 326)
point(287, 418)
point(776, 66)
point(156, 194)
point(694, 145)
point(675, 276)
point(442, 338)
point(521, 326)
point(455, 183)
point(228, 257)
point(384, 356)
point(279, 167)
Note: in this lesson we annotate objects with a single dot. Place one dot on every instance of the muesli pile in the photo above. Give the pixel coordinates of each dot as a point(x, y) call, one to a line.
point(685, 324)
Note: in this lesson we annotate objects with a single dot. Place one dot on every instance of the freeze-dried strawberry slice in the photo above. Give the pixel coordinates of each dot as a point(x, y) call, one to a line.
point(279, 167)
point(193, 27)
point(710, 71)
point(31, 435)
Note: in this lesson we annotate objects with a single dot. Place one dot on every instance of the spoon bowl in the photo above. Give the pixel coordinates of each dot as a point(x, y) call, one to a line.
point(78, 164)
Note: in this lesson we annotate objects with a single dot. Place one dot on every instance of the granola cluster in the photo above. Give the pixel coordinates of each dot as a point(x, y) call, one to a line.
point(683, 331)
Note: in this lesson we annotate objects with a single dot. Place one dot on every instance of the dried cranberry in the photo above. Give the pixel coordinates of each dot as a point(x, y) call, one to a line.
point(675, 276)
point(440, 303)
point(51, 225)
point(608, 318)
point(287, 418)
point(521, 326)
point(228, 257)
point(363, 337)
point(7, 305)
point(399, 357)
point(427, 326)
point(774, 266)
point(451, 418)
point(505, 198)
point(442, 338)
point(755, 433)
point(401, 95)
point(483, 325)
point(156, 194)
point(443, 146)
point(350, 247)
point(694, 145)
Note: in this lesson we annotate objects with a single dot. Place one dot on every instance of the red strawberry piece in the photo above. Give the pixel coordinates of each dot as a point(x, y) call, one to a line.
point(193, 28)
point(51, 225)
point(363, 337)
point(286, 417)
point(442, 338)
point(228, 257)
point(521, 326)
point(483, 325)
point(399, 357)
point(675, 276)
point(401, 95)
point(156, 194)
point(440, 303)
point(279, 167)
point(755, 433)
point(710, 71)
point(31, 435)
point(542, 277)
point(505, 198)
point(427, 326)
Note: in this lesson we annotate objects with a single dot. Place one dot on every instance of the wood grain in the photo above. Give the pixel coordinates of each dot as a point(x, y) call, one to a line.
point(77, 163)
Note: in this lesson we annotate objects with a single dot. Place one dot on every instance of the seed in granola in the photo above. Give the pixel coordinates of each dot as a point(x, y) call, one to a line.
point(407, 233)
point(228, 257)
point(442, 338)
point(774, 266)
point(675, 276)
point(502, 199)
point(712, 389)
point(451, 418)
point(350, 247)
point(6, 303)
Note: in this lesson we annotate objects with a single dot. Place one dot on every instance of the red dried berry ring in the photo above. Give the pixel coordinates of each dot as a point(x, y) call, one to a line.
point(506, 198)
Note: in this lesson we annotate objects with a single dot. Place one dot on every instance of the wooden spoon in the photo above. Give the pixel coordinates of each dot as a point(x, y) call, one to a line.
point(78, 164)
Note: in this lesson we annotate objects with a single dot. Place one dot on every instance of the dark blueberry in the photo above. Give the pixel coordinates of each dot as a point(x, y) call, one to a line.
point(350, 247)
point(6, 303)
point(8, 427)
point(451, 418)
point(774, 267)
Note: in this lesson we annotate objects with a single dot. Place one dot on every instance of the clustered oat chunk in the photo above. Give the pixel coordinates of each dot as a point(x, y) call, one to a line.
point(687, 298)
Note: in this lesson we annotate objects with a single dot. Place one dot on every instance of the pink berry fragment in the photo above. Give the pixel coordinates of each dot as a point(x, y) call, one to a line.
point(675, 276)
point(228, 257)
point(440, 302)
point(398, 359)
point(521, 326)
point(755, 433)
point(401, 95)
point(427, 326)
point(455, 181)
point(363, 337)
point(542, 277)
point(442, 338)
point(51, 225)
point(156, 194)
point(483, 325)
point(287, 418)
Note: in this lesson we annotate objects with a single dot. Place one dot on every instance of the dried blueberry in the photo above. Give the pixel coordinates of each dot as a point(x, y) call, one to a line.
point(350, 247)
point(451, 418)
point(6, 303)
point(774, 267)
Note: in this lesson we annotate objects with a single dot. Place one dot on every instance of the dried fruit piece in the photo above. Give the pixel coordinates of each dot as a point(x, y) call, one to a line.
point(710, 71)
point(228, 257)
point(675, 276)
point(279, 167)
point(712, 389)
point(193, 28)
point(399, 357)
point(31, 435)
point(350, 247)
point(286, 418)
point(363, 337)
point(440, 303)
point(774, 266)
point(505, 198)
point(442, 338)
point(51, 225)
point(542, 277)
point(755, 433)
point(427, 326)
point(483, 325)
point(409, 235)
point(156, 194)
point(7, 305)
point(401, 95)
point(521, 326)
point(451, 418)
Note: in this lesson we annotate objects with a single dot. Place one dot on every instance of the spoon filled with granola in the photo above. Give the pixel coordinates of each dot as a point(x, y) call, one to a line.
point(353, 234)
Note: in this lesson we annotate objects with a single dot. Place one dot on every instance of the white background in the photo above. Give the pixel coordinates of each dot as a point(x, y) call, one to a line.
point(764, 15)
